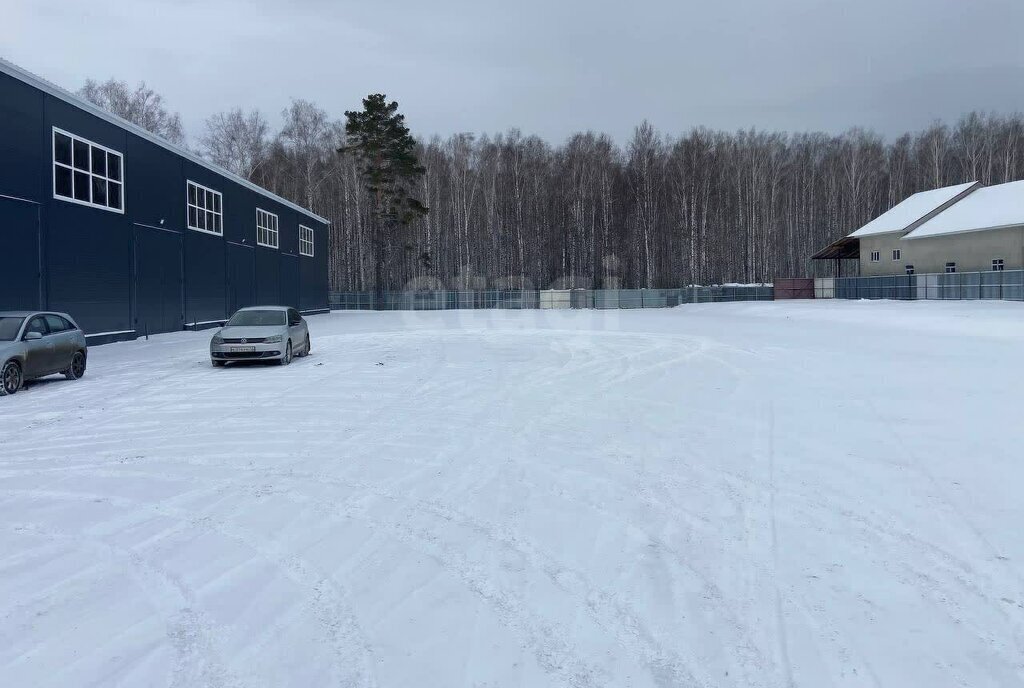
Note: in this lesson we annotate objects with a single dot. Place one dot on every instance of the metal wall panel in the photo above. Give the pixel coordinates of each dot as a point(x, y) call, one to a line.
point(21, 275)
point(23, 143)
point(290, 287)
point(268, 277)
point(241, 277)
point(205, 278)
point(794, 288)
point(154, 188)
point(313, 270)
point(159, 287)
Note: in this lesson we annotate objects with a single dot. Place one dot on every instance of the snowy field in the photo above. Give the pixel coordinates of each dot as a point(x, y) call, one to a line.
point(764, 494)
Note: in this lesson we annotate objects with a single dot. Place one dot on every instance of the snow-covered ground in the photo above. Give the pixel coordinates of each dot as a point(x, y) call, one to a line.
point(766, 494)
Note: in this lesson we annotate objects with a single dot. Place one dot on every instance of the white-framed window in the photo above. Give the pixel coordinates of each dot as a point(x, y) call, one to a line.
point(910, 269)
point(876, 256)
point(87, 173)
point(997, 264)
point(305, 241)
point(266, 228)
point(950, 267)
point(205, 208)
point(897, 253)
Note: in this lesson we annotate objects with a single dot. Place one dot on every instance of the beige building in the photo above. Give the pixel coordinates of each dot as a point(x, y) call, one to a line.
point(962, 228)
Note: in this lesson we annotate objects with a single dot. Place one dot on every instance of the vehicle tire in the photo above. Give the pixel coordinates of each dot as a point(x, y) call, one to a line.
point(10, 378)
point(287, 358)
point(217, 364)
point(306, 348)
point(77, 368)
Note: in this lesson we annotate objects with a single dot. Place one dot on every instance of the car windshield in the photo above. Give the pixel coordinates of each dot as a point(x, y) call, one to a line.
point(9, 327)
point(256, 319)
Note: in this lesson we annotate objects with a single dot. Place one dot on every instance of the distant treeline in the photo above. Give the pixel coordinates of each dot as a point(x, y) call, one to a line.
point(663, 211)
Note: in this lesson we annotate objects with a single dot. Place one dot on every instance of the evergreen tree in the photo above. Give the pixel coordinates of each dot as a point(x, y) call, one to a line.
point(385, 153)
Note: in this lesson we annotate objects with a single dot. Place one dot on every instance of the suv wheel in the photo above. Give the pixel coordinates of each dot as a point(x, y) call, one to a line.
point(10, 378)
point(77, 367)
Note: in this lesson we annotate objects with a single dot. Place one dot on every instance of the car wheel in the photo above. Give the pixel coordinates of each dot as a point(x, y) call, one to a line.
point(10, 378)
point(77, 367)
point(218, 364)
point(306, 348)
point(287, 358)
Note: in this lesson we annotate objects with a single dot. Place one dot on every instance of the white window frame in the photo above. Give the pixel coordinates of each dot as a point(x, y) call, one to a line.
point(267, 230)
point(876, 256)
point(109, 151)
point(909, 269)
point(189, 205)
point(897, 253)
point(950, 267)
point(998, 265)
point(306, 238)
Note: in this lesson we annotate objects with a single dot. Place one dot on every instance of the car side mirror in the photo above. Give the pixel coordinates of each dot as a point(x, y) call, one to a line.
point(32, 336)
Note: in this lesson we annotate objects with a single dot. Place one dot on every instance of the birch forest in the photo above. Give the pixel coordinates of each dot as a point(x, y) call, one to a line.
point(660, 209)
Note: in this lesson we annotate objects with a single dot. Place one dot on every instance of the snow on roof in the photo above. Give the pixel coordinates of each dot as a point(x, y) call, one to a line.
point(911, 209)
point(991, 207)
point(11, 69)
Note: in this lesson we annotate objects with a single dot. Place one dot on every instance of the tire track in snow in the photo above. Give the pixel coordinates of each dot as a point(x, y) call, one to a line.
point(196, 661)
point(600, 358)
point(603, 355)
point(780, 617)
point(326, 596)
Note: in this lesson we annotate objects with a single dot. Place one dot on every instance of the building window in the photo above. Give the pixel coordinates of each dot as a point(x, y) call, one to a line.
point(950, 267)
point(205, 209)
point(997, 264)
point(305, 241)
point(87, 173)
point(910, 269)
point(266, 228)
point(876, 256)
point(897, 253)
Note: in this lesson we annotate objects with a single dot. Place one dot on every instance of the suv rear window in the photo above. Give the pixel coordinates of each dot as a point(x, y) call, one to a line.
point(9, 327)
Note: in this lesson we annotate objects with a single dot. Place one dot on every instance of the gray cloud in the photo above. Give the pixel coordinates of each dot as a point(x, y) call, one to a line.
point(550, 67)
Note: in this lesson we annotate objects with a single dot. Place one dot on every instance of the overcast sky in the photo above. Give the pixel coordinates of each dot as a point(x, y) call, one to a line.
point(549, 67)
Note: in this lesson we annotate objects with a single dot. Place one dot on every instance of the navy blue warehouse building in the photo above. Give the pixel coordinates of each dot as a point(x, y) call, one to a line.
point(131, 234)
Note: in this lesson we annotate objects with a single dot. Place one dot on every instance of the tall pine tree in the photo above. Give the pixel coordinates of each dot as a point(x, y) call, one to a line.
point(385, 152)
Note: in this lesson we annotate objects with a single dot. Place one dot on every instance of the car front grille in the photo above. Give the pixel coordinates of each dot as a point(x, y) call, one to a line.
point(243, 355)
point(257, 340)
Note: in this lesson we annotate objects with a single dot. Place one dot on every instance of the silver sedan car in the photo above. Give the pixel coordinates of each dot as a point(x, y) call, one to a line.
point(261, 333)
point(34, 344)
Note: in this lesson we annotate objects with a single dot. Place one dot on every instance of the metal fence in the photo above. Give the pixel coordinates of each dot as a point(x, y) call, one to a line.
point(545, 298)
point(1000, 284)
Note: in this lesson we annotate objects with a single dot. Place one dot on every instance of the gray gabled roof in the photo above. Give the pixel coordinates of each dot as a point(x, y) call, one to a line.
point(31, 79)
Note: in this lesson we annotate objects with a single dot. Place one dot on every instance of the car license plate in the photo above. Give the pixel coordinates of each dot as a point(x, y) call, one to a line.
point(242, 349)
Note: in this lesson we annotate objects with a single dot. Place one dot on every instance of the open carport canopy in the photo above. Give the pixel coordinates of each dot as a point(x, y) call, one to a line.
point(841, 249)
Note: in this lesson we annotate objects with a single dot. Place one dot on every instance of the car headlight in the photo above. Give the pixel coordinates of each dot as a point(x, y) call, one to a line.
point(273, 340)
point(217, 340)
